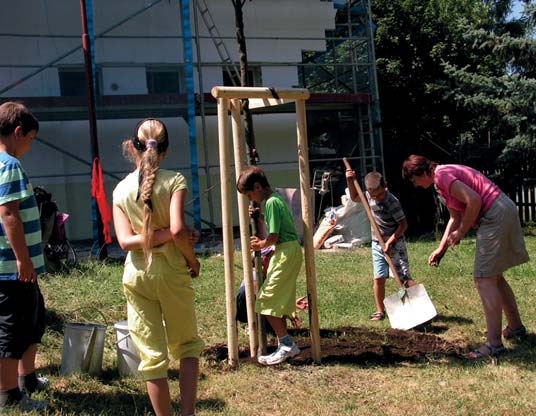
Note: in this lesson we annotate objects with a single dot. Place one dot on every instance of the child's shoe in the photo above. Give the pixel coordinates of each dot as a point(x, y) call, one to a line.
point(37, 384)
point(282, 353)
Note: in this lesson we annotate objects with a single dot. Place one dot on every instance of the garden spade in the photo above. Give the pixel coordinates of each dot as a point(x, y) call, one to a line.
point(409, 307)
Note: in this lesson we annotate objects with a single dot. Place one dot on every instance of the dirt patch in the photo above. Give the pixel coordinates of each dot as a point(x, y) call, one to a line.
point(360, 345)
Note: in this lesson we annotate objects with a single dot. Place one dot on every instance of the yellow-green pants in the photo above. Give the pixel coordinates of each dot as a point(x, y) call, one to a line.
point(277, 296)
point(161, 315)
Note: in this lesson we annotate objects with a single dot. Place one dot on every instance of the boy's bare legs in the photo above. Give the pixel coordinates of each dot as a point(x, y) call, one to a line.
point(26, 364)
point(11, 368)
point(188, 376)
point(279, 325)
point(8, 374)
point(379, 293)
point(158, 390)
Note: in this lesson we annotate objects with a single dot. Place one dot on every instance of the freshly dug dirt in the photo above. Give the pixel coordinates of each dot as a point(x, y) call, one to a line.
point(361, 345)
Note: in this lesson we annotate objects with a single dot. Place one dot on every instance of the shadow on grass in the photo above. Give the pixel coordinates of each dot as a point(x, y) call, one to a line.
point(54, 322)
point(453, 319)
point(216, 405)
point(117, 402)
point(114, 403)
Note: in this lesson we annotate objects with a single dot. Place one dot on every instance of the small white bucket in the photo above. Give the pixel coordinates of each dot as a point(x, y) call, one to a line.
point(83, 348)
point(127, 356)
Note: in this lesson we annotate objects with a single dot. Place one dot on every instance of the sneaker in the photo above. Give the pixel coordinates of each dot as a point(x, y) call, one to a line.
point(282, 353)
point(25, 405)
point(42, 384)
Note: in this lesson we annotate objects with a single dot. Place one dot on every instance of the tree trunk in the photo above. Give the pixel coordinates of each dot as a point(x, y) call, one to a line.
point(244, 81)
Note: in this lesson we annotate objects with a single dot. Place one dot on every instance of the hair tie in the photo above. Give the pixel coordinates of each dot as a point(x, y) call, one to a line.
point(151, 144)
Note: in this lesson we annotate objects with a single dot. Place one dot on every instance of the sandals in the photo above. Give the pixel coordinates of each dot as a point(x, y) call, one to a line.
point(491, 351)
point(514, 334)
point(377, 316)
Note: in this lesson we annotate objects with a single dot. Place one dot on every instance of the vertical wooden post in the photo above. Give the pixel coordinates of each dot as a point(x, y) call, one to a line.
point(307, 217)
point(239, 157)
point(227, 229)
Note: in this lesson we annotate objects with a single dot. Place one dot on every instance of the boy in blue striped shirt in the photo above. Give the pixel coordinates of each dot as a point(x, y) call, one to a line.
point(22, 309)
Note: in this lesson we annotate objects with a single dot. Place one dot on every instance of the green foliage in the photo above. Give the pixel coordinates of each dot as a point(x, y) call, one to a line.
point(500, 107)
point(457, 84)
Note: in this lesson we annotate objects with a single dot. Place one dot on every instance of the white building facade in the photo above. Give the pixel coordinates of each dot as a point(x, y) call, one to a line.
point(140, 72)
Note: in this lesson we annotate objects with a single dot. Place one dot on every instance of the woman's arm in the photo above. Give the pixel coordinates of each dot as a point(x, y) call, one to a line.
point(181, 233)
point(130, 241)
point(453, 223)
point(472, 202)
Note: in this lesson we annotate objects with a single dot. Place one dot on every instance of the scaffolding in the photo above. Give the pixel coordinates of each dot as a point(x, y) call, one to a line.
point(342, 81)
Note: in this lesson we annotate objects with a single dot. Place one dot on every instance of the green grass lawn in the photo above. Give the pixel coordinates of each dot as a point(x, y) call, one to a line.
point(435, 385)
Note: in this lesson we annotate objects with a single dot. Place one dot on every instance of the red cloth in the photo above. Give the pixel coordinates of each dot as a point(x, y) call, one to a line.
point(99, 195)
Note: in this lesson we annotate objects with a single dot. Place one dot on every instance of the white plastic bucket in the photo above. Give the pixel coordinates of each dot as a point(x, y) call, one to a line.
point(127, 356)
point(83, 348)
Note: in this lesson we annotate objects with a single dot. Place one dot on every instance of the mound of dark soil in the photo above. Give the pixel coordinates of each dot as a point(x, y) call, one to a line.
point(361, 345)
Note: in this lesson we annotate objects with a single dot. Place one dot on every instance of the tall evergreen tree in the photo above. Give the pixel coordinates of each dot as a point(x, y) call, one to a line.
point(456, 81)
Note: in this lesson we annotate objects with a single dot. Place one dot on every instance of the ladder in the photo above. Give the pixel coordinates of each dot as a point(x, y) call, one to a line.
point(223, 52)
point(366, 140)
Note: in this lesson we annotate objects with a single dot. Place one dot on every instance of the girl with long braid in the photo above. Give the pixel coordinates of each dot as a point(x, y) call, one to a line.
point(148, 209)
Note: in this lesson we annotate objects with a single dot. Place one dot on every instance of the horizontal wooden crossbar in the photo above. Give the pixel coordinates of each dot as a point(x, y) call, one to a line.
point(260, 92)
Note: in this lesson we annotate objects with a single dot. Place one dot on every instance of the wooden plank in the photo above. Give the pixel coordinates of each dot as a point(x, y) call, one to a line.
point(260, 92)
point(267, 102)
point(240, 157)
point(532, 202)
point(307, 218)
point(526, 203)
point(519, 202)
point(227, 231)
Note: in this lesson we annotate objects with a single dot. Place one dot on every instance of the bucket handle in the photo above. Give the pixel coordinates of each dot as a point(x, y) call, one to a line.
point(82, 308)
point(122, 339)
point(89, 350)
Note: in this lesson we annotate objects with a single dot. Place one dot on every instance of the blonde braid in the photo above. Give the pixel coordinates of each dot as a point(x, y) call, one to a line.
point(149, 166)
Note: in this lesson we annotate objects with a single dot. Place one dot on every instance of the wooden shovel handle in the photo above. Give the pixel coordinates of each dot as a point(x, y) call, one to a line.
point(364, 201)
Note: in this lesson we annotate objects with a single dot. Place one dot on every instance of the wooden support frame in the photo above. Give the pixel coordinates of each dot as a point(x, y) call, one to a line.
point(229, 99)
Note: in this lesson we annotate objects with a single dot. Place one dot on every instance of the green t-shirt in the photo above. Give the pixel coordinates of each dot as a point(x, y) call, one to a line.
point(279, 219)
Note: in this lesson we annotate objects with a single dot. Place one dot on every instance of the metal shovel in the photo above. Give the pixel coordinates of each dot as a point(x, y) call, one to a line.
point(409, 307)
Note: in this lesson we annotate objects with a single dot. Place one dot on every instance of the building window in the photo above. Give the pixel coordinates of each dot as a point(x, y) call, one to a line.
point(73, 82)
point(165, 80)
point(254, 77)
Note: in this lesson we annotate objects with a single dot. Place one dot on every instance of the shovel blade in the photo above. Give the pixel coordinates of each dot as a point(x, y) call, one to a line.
point(415, 309)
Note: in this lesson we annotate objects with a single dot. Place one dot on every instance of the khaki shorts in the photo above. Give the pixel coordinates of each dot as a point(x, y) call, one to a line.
point(161, 315)
point(499, 240)
point(277, 296)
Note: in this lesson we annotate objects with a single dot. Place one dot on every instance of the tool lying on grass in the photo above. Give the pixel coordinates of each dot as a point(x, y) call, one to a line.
point(409, 307)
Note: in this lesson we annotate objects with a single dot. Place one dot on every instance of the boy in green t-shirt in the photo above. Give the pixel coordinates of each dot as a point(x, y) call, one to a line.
point(276, 298)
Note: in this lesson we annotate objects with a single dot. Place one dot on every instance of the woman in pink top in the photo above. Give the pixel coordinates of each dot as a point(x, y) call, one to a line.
point(475, 201)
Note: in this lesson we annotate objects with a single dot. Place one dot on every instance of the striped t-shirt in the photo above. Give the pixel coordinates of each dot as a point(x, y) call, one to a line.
point(15, 186)
point(387, 213)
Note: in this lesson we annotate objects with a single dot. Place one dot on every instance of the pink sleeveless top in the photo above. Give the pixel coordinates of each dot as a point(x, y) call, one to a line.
point(445, 175)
